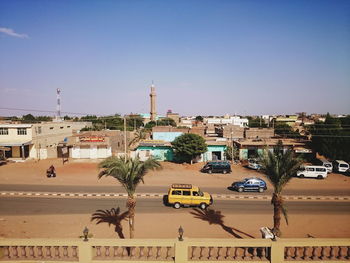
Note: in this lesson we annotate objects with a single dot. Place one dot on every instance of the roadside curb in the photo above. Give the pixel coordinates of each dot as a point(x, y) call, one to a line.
point(160, 195)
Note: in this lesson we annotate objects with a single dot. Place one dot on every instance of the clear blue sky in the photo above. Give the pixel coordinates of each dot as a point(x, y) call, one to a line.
point(205, 57)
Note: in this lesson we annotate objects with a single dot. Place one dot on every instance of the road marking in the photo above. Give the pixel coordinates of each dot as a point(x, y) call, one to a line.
point(160, 195)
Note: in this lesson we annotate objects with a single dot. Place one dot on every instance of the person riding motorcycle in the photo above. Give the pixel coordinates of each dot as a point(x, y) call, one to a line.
point(51, 172)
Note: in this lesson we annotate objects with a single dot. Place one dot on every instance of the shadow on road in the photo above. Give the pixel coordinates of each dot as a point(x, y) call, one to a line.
point(214, 217)
point(111, 217)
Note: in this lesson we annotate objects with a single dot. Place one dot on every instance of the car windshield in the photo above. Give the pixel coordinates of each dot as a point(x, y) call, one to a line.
point(200, 192)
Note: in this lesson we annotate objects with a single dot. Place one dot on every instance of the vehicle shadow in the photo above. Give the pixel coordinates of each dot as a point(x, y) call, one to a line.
point(214, 217)
point(111, 217)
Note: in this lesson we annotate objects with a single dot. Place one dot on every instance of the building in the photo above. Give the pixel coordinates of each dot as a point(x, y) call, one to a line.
point(174, 116)
point(230, 131)
point(169, 133)
point(97, 144)
point(288, 119)
point(36, 141)
point(252, 148)
point(233, 120)
point(216, 151)
point(262, 133)
point(157, 149)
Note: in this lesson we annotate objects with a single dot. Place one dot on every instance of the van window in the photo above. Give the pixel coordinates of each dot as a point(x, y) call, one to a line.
point(187, 193)
point(320, 169)
point(327, 165)
point(194, 193)
point(343, 165)
point(309, 169)
point(176, 192)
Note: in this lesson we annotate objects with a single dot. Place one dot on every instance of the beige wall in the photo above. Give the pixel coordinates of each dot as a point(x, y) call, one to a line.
point(12, 133)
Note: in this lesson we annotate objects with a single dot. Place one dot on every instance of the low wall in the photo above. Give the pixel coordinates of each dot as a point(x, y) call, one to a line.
point(170, 250)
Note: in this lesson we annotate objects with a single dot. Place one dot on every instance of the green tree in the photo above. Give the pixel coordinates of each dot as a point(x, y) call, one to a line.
point(129, 173)
point(331, 138)
point(189, 146)
point(229, 151)
point(256, 122)
point(166, 122)
point(28, 118)
point(279, 167)
point(199, 119)
point(139, 135)
point(285, 130)
point(150, 125)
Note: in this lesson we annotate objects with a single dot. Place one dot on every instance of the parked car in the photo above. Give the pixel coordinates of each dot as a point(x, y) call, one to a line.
point(217, 167)
point(188, 195)
point(250, 184)
point(312, 171)
point(340, 166)
point(254, 164)
point(326, 164)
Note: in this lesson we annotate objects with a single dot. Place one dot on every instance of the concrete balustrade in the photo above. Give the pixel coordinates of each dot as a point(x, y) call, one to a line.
point(170, 250)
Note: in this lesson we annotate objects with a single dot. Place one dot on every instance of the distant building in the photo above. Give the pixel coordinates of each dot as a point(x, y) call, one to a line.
point(36, 141)
point(97, 144)
point(174, 116)
point(262, 133)
point(288, 119)
point(234, 120)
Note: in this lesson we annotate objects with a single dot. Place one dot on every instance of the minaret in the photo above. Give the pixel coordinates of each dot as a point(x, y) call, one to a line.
point(153, 103)
point(58, 106)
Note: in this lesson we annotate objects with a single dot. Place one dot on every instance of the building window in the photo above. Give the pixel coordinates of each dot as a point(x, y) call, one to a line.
point(51, 128)
point(61, 127)
point(4, 131)
point(68, 126)
point(21, 131)
point(39, 129)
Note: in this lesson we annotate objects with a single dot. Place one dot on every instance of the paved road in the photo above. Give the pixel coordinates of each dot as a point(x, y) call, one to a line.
point(49, 206)
point(158, 189)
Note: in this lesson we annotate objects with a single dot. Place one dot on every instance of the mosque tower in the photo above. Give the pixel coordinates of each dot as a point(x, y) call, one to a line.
point(153, 103)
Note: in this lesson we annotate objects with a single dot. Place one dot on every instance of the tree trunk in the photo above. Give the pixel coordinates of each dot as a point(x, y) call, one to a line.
point(130, 204)
point(277, 203)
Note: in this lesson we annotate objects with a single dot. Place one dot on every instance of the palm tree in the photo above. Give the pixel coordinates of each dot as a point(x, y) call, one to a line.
point(129, 173)
point(139, 135)
point(279, 167)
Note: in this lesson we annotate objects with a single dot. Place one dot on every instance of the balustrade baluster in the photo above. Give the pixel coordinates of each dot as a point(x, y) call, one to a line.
point(332, 253)
point(193, 253)
point(115, 251)
point(348, 253)
point(228, 253)
point(125, 252)
point(263, 252)
point(314, 253)
point(296, 253)
point(220, 253)
point(65, 251)
point(168, 253)
point(245, 253)
point(212, 253)
point(305, 253)
point(107, 251)
point(159, 253)
point(202, 253)
point(15, 252)
point(132, 252)
point(74, 252)
point(48, 251)
point(23, 252)
point(287, 253)
point(40, 251)
point(255, 253)
point(341, 254)
point(150, 253)
point(31, 251)
point(7, 253)
point(323, 253)
point(98, 251)
point(142, 252)
point(236, 253)
point(57, 252)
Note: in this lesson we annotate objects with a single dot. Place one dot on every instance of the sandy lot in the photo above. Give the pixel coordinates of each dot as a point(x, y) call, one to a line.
point(161, 225)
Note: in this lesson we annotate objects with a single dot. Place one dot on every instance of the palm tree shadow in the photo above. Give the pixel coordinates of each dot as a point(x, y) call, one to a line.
point(214, 217)
point(111, 217)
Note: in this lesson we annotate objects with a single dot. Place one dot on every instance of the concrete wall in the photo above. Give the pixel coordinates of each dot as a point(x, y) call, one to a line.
point(159, 153)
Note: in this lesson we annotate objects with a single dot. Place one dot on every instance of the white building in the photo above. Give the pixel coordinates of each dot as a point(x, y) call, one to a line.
point(234, 120)
point(36, 141)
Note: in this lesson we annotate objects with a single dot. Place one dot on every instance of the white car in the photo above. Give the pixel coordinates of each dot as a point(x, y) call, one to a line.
point(340, 166)
point(253, 164)
point(319, 172)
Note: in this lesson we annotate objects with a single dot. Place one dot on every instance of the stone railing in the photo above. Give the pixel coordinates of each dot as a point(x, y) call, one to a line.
point(170, 250)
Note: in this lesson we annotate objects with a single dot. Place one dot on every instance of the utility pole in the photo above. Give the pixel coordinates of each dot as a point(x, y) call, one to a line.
point(125, 138)
point(231, 146)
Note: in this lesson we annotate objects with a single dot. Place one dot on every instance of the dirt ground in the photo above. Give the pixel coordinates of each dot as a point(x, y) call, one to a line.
point(236, 226)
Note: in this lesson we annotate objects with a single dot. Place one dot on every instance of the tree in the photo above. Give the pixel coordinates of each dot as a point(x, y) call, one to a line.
point(279, 167)
point(256, 122)
point(286, 131)
point(28, 118)
point(229, 151)
point(140, 135)
point(189, 146)
point(129, 173)
point(199, 119)
point(332, 138)
point(150, 125)
point(166, 122)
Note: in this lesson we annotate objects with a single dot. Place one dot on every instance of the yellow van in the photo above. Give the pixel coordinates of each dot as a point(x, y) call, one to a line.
point(188, 195)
